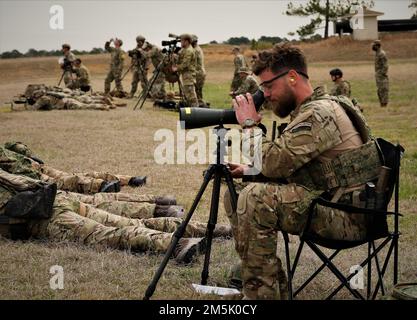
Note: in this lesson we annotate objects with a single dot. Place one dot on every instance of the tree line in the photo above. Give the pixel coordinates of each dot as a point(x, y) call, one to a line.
point(45, 53)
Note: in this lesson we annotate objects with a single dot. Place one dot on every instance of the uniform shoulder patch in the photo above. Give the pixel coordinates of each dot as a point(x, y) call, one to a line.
point(302, 126)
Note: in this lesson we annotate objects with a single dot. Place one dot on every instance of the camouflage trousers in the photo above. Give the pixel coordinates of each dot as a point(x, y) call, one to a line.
point(158, 87)
point(200, 80)
point(262, 210)
point(382, 85)
point(67, 78)
point(189, 95)
point(236, 82)
point(116, 76)
point(134, 206)
point(90, 182)
point(76, 221)
point(136, 78)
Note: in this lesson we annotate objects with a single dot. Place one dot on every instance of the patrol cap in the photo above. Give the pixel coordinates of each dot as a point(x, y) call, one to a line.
point(140, 38)
point(66, 46)
point(194, 38)
point(186, 36)
point(235, 49)
point(336, 72)
point(120, 41)
point(243, 70)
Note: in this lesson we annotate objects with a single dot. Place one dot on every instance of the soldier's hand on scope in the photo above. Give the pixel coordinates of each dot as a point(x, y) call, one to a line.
point(245, 109)
point(237, 170)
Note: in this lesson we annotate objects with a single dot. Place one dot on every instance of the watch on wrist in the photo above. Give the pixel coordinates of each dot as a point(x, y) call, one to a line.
point(248, 123)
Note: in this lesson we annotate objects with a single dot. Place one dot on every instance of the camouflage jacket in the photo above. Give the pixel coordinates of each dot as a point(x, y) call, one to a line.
point(239, 62)
point(341, 89)
point(200, 60)
point(381, 63)
point(117, 57)
point(156, 56)
point(139, 58)
point(83, 75)
point(312, 131)
point(248, 85)
point(187, 62)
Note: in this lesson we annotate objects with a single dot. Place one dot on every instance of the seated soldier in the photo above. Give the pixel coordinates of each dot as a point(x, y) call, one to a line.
point(326, 150)
point(32, 208)
point(16, 157)
point(248, 83)
point(341, 87)
point(82, 81)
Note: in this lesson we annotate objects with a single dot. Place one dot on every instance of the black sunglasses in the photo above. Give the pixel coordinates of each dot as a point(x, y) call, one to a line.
point(281, 75)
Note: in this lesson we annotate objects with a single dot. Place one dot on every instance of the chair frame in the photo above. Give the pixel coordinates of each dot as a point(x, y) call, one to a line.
point(390, 238)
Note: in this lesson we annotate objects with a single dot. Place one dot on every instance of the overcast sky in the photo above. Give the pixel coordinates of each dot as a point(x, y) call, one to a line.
point(88, 24)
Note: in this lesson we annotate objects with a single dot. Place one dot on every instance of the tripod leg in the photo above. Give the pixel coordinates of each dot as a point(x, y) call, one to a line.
point(178, 234)
point(214, 209)
point(231, 187)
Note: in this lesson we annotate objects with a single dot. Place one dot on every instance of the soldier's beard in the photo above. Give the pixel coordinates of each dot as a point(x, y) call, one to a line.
point(284, 104)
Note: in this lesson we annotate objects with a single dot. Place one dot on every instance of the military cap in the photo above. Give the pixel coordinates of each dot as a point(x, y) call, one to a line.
point(194, 38)
point(186, 36)
point(140, 38)
point(120, 41)
point(235, 49)
point(243, 70)
point(377, 42)
point(66, 45)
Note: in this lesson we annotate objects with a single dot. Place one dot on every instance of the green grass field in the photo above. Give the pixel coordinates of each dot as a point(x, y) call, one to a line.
point(121, 141)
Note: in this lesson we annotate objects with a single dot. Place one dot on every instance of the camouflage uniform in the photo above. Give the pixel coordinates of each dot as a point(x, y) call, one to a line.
point(116, 68)
point(200, 74)
point(43, 97)
point(381, 76)
point(16, 163)
point(341, 88)
point(139, 69)
point(77, 221)
point(248, 85)
point(70, 57)
point(158, 88)
point(83, 78)
point(314, 154)
point(239, 62)
point(187, 69)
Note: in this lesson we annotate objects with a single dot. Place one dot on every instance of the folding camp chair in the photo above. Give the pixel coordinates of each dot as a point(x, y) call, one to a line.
point(377, 228)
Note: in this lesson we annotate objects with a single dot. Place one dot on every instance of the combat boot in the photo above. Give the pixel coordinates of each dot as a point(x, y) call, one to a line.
point(137, 181)
point(110, 186)
point(165, 200)
point(168, 211)
point(188, 248)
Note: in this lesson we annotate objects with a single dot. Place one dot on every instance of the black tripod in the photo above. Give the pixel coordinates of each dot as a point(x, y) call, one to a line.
point(216, 171)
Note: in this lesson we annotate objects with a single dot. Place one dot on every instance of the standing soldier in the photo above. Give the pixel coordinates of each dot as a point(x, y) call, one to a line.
point(116, 65)
point(200, 70)
point(239, 62)
point(82, 81)
point(341, 87)
point(186, 67)
point(139, 66)
point(156, 56)
point(381, 73)
point(66, 64)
